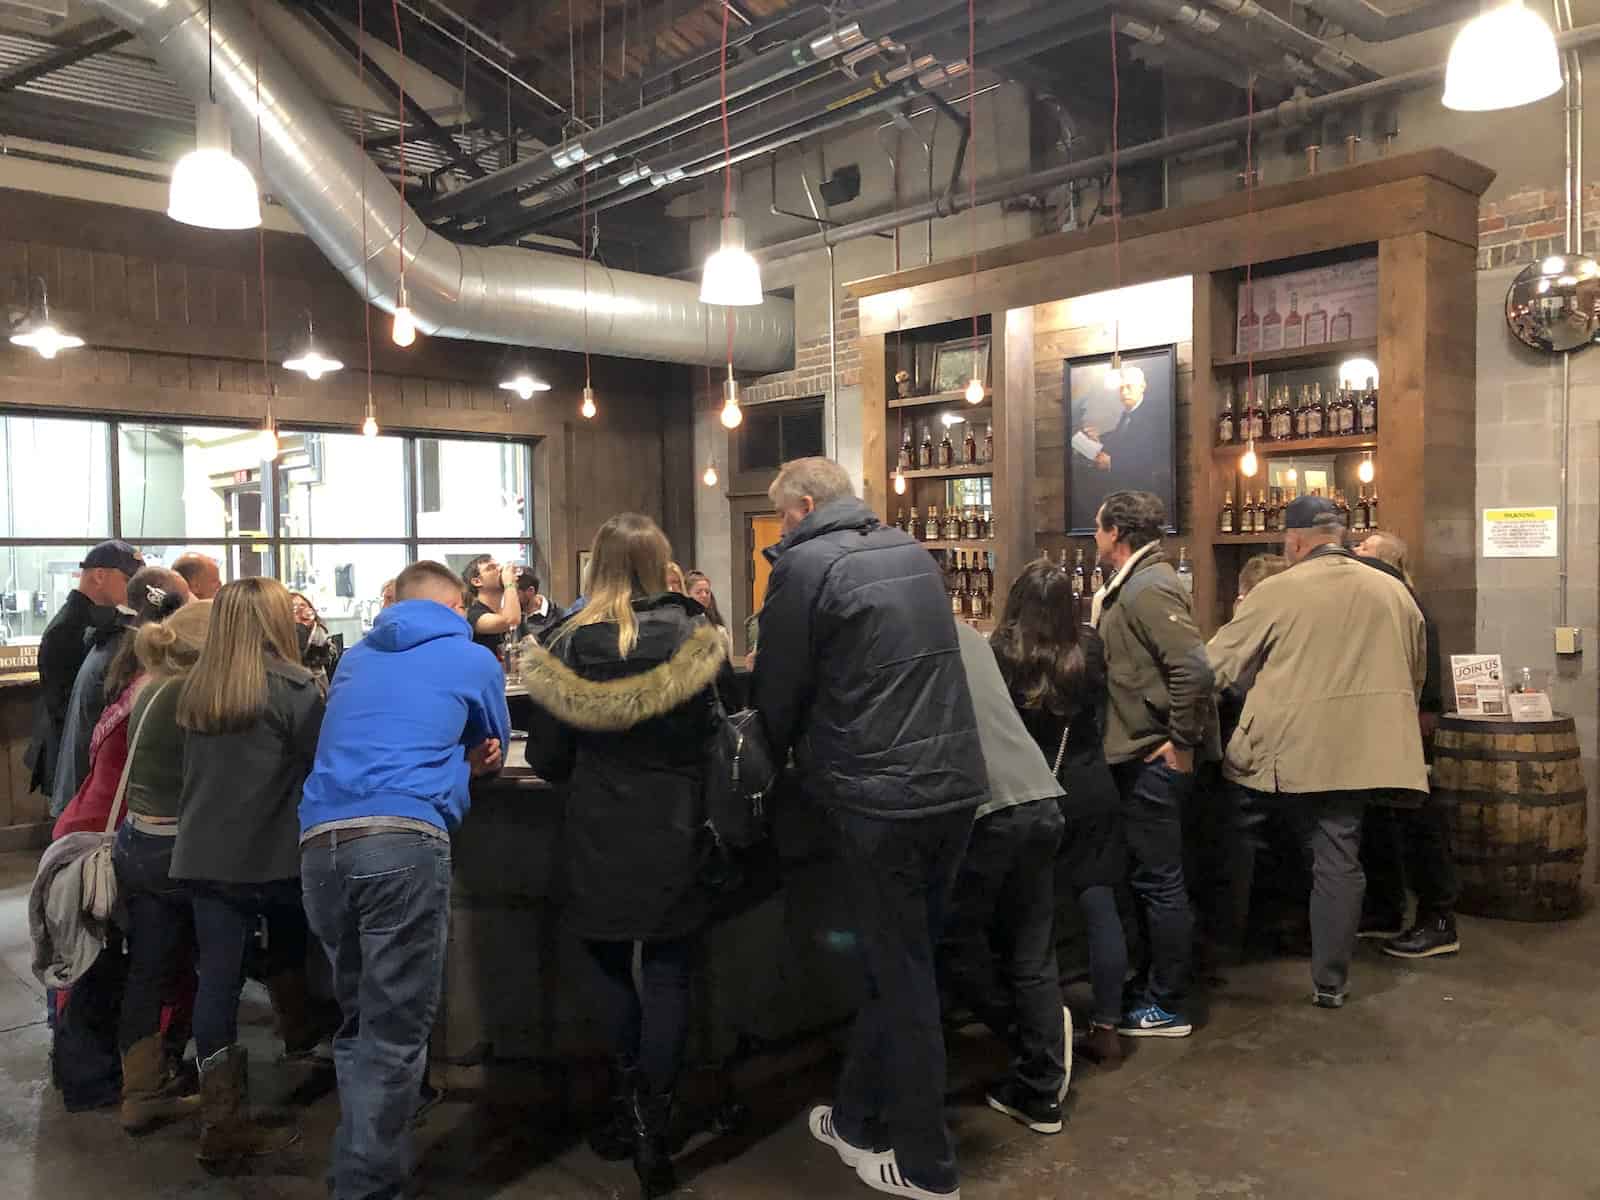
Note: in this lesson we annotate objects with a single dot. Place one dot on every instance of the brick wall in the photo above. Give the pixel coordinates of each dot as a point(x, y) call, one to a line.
point(810, 376)
point(1530, 224)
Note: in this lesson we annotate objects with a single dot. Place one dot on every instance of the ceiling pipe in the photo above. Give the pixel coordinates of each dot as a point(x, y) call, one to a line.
point(1199, 27)
point(1276, 31)
point(1370, 25)
point(617, 137)
point(491, 294)
point(1160, 48)
point(1290, 113)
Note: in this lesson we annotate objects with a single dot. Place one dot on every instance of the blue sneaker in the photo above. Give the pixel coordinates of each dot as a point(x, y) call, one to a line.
point(1151, 1020)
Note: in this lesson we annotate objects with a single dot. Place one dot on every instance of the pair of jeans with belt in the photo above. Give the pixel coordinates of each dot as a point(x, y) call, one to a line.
point(160, 938)
point(380, 906)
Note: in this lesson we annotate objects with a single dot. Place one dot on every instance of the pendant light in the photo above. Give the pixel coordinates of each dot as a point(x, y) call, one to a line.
point(732, 416)
point(210, 187)
point(731, 277)
point(899, 482)
point(1365, 471)
point(976, 391)
point(267, 439)
point(39, 333)
point(523, 382)
point(710, 476)
point(1249, 464)
point(1503, 58)
point(404, 330)
point(310, 361)
point(587, 408)
point(369, 427)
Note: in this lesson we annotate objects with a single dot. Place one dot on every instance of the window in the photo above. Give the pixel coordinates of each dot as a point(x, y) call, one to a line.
point(773, 434)
point(334, 517)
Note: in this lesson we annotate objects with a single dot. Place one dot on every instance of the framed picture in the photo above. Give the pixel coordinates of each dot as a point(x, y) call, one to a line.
point(955, 363)
point(1120, 438)
point(583, 572)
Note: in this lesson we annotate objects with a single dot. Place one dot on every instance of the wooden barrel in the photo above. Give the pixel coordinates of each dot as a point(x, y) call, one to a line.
point(1520, 812)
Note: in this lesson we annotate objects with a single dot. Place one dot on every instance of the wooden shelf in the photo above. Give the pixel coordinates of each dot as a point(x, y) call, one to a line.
point(1309, 356)
point(1300, 446)
point(941, 398)
point(958, 544)
point(948, 472)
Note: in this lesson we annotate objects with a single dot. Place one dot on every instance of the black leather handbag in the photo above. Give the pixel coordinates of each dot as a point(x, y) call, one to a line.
point(740, 775)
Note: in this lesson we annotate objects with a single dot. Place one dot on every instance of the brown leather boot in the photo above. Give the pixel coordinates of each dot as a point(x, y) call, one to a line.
point(302, 1020)
point(147, 1101)
point(1102, 1046)
point(228, 1132)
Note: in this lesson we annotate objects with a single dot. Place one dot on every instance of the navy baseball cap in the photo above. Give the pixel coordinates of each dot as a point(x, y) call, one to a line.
point(115, 555)
point(1303, 512)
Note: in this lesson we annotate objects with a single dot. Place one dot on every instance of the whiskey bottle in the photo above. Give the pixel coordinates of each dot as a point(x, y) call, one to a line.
point(1226, 426)
point(988, 524)
point(930, 528)
point(925, 459)
point(1272, 325)
point(969, 447)
point(1258, 414)
point(987, 571)
point(1358, 511)
point(988, 443)
point(947, 450)
point(914, 524)
point(1301, 420)
point(1342, 507)
point(1372, 510)
point(1185, 570)
point(1249, 325)
point(1369, 407)
point(1097, 579)
point(900, 519)
point(958, 601)
point(1316, 324)
point(1339, 326)
point(908, 453)
point(1080, 582)
point(1316, 413)
point(1281, 420)
point(952, 525)
point(1294, 329)
point(1347, 412)
point(963, 576)
point(1225, 521)
point(1274, 521)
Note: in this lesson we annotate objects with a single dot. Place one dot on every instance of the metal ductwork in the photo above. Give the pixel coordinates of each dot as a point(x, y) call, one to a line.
point(1370, 25)
point(491, 294)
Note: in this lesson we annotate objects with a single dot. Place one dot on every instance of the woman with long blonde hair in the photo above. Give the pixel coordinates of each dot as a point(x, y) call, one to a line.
point(622, 712)
point(251, 714)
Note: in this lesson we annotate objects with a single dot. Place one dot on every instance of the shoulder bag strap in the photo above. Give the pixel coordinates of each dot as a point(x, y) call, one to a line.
point(1061, 750)
point(127, 766)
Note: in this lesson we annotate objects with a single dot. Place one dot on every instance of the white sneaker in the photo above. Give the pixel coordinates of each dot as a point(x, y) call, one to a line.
point(821, 1124)
point(1066, 1080)
point(881, 1173)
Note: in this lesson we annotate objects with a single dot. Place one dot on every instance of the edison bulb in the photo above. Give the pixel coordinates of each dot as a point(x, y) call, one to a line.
point(732, 415)
point(975, 391)
point(1364, 472)
point(899, 484)
point(588, 409)
point(369, 427)
point(1248, 464)
point(710, 476)
point(267, 443)
point(405, 326)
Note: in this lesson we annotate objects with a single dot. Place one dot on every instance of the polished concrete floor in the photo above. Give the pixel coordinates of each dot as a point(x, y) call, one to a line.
point(1474, 1078)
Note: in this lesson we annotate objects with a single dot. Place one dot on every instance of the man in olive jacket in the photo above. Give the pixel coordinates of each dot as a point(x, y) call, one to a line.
point(1339, 657)
point(860, 674)
point(1161, 716)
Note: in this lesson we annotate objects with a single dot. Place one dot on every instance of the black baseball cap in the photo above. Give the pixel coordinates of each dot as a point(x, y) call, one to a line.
point(1303, 512)
point(116, 555)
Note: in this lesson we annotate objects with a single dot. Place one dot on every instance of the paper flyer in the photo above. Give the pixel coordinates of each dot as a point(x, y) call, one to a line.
point(1480, 685)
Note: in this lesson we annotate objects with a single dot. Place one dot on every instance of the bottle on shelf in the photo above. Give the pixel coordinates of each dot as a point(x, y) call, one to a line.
point(1097, 579)
point(1369, 407)
point(952, 525)
point(1341, 506)
point(925, 458)
point(988, 524)
point(1185, 570)
point(1346, 424)
point(1339, 326)
point(1080, 582)
point(1358, 511)
point(1249, 324)
point(1280, 419)
point(969, 525)
point(1272, 325)
point(900, 519)
point(1316, 324)
point(958, 600)
point(1226, 424)
point(988, 573)
point(947, 450)
point(1255, 417)
point(908, 453)
point(1226, 522)
point(963, 575)
point(1294, 328)
point(1316, 414)
point(930, 528)
point(988, 443)
point(1274, 519)
point(969, 447)
point(914, 524)
point(1372, 509)
point(1302, 419)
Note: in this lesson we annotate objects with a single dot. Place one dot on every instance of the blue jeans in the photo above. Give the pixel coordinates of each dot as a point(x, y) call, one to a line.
point(160, 933)
point(380, 906)
point(226, 917)
point(1153, 795)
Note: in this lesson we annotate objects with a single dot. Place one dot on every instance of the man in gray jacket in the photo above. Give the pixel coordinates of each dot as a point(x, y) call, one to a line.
point(1159, 719)
point(998, 953)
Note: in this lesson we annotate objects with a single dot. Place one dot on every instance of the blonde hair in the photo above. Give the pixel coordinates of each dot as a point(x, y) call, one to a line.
point(227, 689)
point(1259, 568)
point(1390, 548)
point(170, 648)
point(627, 562)
point(677, 581)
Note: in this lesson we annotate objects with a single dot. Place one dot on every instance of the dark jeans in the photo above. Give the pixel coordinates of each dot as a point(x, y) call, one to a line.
point(1409, 845)
point(998, 953)
point(1108, 952)
point(1153, 797)
point(1328, 825)
point(226, 917)
point(380, 906)
point(890, 1093)
point(650, 1023)
point(160, 939)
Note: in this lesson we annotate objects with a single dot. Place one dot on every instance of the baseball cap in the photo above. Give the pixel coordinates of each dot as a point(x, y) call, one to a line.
point(116, 555)
point(1303, 512)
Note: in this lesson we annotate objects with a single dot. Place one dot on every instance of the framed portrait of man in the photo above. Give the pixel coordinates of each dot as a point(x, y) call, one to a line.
point(1122, 431)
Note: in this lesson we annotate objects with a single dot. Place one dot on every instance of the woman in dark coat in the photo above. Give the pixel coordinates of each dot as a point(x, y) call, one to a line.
point(1056, 671)
point(623, 713)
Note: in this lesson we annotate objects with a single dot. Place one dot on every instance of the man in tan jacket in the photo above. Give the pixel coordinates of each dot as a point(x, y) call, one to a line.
point(1338, 657)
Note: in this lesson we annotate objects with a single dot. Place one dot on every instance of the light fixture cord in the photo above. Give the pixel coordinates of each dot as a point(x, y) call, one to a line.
point(261, 228)
point(1116, 186)
point(1250, 227)
point(972, 158)
point(211, 43)
point(583, 202)
point(727, 170)
point(361, 130)
point(400, 84)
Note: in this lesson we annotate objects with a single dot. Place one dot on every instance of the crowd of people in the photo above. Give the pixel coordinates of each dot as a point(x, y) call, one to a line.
point(264, 795)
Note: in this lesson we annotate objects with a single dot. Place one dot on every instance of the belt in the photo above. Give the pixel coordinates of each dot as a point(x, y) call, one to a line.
point(338, 837)
point(154, 826)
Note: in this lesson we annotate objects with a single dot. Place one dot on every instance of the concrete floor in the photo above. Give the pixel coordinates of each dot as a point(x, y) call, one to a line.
point(1467, 1078)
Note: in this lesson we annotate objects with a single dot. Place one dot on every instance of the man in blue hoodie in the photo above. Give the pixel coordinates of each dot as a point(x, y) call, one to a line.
point(416, 710)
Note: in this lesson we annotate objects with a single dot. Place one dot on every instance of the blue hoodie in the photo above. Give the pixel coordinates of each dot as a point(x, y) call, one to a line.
point(405, 704)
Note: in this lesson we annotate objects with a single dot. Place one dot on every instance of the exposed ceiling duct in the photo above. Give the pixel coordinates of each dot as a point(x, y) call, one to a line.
point(1371, 25)
point(483, 293)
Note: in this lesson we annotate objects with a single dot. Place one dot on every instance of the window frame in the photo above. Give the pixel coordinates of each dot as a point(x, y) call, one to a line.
point(751, 480)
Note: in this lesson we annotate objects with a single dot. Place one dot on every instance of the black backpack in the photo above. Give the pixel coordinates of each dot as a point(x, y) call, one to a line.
point(740, 774)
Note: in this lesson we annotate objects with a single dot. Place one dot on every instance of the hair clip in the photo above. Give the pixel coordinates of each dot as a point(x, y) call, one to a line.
point(154, 596)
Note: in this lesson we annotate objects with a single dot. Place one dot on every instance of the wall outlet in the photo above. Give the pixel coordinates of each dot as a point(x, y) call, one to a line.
point(1569, 640)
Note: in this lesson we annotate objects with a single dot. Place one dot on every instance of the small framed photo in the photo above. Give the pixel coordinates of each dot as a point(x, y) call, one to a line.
point(583, 572)
point(956, 363)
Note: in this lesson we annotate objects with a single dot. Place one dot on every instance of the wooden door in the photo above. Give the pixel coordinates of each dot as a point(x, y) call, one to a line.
point(760, 532)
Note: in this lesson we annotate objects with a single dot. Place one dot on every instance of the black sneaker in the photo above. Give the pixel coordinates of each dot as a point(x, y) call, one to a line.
point(1327, 999)
point(1039, 1113)
point(1425, 939)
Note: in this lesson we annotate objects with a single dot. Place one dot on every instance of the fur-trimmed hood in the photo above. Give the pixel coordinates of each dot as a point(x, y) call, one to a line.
point(615, 705)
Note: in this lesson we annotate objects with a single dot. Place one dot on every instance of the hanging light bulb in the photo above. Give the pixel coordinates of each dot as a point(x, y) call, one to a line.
point(1248, 465)
point(710, 476)
point(1365, 471)
point(405, 323)
point(732, 416)
point(523, 384)
point(1292, 476)
point(1114, 372)
point(210, 187)
point(732, 277)
point(1504, 58)
point(899, 483)
point(587, 408)
point(267, 441)
point(369, 427)
point(976, 391)
point(1355, 372)
point(39, 333)
point(311, 362)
